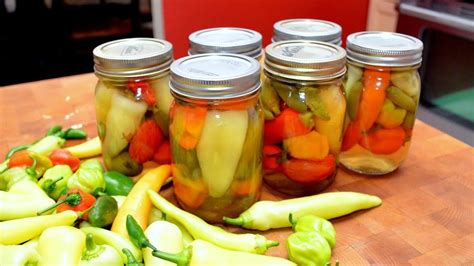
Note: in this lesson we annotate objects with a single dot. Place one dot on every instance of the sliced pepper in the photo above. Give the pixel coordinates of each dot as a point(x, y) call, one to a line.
point(290, 95)
point(373, 97)
point(384, 141)
point(401, 99)
point(311, 146)
point(314, 102)
point(269, 97)
point(287, 124)
point(142, 91)
point(145, 142)
point(187, 124)
point(390, 116)
point(306, 171)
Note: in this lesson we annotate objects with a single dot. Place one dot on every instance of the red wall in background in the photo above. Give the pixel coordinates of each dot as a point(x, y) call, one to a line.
point(182, 17)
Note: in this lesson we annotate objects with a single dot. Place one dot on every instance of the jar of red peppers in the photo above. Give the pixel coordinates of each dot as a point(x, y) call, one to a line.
point(216, 125)
point(132, 100)
point(304, 109)
point(382, 88)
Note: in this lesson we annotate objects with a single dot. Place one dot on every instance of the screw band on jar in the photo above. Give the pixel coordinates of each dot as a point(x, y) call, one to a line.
point(307, 29)
point(382, 88)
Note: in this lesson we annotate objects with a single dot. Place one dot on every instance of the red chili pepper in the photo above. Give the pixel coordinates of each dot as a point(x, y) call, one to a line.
point(270, 163)
point(20, 159)
point(384, 141)
point(145, 142)
point(163, 154)
point(306, 171)
point(271, 150)
point(287, 124)
point(62, 156)
point(75, 200)
point(143, 91)
point(351, 136)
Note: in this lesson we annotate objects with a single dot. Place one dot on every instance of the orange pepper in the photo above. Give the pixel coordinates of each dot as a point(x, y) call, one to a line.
point(351, 136)
point(287, 124)
point(191, 192)
point(306, 171)
point(384, 141)
point(311, 146)
point(187, 124)
point(373, 97)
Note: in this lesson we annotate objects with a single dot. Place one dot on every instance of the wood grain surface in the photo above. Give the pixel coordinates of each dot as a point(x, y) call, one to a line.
point(427, 216)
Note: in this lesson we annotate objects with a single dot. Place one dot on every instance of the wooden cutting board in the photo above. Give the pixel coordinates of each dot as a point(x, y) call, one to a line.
point(427, 216)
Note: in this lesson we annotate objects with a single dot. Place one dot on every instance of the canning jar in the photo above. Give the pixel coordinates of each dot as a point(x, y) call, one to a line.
point(304, 110)
point(216, 125)
point(132, 100)
point(226, 40)
point(307, 29)
point(382, 88)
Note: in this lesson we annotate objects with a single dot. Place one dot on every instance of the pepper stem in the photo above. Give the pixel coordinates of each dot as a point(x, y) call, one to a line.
point(49, 185)
point(131, 260)
point(239, 221)
point(72, 199)
point(271, 243)
point(182, 258)
point(292, 221)
point(31, 171)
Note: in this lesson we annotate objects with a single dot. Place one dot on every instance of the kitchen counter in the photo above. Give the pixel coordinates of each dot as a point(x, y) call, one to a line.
point(427, 215)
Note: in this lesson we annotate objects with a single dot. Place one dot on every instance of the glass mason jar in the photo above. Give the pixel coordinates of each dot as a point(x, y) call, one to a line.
point(216, 125)
point(304, 110)
point(132, 100)
point(382, 88)
point(307, 29)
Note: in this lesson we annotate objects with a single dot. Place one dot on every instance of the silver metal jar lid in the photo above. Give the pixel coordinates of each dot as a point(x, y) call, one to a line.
point(305, 60)
point(384, 48)
point(215, 76)
point(133, 57)
point(307, 29)
point(226, 40)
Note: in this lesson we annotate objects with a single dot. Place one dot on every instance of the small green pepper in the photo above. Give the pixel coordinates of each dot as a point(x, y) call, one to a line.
point(353, 98)
point(270, 100)
point(136, 234)
point(117, 184)
point(398, 97)
point(72, 133)
point(103, 212)
point(312, 223)
point(314, 103)
point(290, 96)
point(308, 249)
point(124, 164)
point(54, 130)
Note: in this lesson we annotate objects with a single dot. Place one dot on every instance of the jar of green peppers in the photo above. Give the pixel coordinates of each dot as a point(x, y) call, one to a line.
point(216, 125)
point(132, 100)
point(304, 110)
point(382, 87)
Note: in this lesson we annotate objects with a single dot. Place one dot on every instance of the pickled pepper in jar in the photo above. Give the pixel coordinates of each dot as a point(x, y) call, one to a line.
point(382, 88)
point(216, 125)
point(304, 109)
point(132, 100)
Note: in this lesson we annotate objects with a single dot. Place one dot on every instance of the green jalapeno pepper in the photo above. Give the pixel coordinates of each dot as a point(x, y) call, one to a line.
point(54, 130)
point(103, 212)
point(131, 260)
point(308, 249)
point(117, 184)
point(15, 149)
point(290, 96)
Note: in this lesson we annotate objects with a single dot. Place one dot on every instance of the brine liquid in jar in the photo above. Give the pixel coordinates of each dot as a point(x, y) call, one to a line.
point(382, 88)
point(304, 110)
point(216, 134)
point(132, 100)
